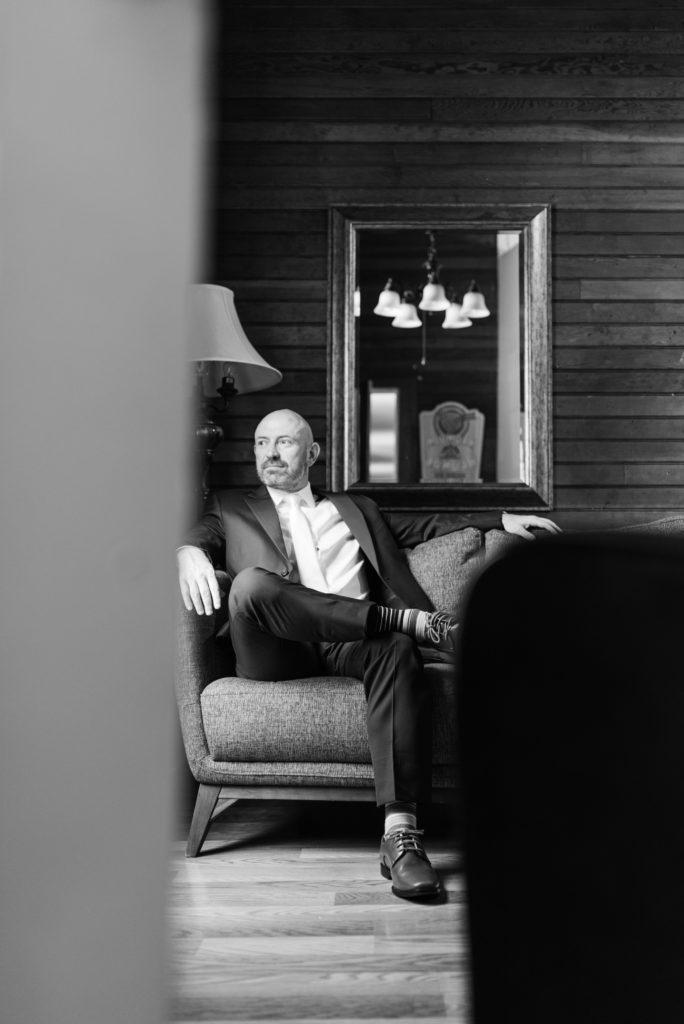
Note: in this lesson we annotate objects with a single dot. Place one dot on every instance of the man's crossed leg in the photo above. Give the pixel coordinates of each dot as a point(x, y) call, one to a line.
point(283, 630)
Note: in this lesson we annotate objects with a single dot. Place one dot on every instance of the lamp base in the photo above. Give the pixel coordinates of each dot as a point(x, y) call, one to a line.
point(208, 437)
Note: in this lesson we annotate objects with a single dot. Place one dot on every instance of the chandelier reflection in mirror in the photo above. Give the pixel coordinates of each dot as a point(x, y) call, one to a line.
point(452, 359)
point(469, 425)
point(432, 297)
point(402, 307)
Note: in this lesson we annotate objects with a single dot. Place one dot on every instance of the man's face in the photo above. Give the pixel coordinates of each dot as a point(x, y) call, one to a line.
point(284, 451)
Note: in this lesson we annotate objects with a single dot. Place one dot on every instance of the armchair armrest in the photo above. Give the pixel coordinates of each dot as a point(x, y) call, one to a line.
point(200, 658)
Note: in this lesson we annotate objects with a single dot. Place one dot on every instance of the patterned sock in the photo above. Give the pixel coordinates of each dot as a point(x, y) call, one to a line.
point(400, 814)
point(398, 620)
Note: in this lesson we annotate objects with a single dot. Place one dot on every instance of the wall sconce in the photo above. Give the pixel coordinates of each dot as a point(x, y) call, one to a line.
point(220, 349)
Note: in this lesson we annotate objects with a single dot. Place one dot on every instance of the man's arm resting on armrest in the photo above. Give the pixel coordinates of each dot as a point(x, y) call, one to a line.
point(209, 533)
point(519, 523)
point(409, 529)
point(198, 584)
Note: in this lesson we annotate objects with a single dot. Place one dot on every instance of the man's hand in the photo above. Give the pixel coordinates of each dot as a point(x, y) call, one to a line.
point(519, 524)
point(198, 584)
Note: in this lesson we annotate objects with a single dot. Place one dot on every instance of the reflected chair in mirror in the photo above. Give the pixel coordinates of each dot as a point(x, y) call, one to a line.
point(451, 438)
point(571, 726)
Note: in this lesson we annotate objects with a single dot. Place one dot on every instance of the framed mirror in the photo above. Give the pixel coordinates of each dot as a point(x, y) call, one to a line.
point(440, 356)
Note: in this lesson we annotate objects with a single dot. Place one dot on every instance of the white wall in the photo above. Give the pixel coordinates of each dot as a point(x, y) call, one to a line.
point(100, 137)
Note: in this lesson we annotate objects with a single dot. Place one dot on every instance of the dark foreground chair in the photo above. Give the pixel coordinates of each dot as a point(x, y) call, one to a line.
point(571, 723)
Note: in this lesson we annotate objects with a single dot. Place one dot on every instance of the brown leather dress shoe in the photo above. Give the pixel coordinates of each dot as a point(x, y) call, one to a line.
point(404, 860)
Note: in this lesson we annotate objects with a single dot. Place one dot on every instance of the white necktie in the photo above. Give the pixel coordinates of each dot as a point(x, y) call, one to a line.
point(308, 565)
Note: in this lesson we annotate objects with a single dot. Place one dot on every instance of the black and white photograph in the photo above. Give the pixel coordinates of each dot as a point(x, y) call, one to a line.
point(343, 506)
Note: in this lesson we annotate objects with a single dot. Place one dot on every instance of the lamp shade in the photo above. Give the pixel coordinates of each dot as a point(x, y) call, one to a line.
point(407, 315)
point(454, 317)
point(434, 298)
point(388, 300)
point(474, 304)
point(215, 335)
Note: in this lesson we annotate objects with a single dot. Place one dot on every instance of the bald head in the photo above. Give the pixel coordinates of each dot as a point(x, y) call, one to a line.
point(285, 450)
point(285, 420)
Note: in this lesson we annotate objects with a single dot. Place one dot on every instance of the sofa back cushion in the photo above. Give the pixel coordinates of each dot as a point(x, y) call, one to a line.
point(670, 525)
point(445, 566)
point(498, 542)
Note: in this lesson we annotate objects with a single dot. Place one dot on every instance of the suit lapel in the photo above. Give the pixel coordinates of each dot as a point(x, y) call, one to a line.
point(355, 520)
point(262, 508)
point(264, 511)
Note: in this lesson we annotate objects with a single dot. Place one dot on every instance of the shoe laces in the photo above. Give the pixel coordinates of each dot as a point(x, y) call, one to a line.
point(438, 626)
point(406, 840)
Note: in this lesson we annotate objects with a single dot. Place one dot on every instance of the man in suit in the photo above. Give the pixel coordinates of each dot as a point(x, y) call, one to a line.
point(318, 583)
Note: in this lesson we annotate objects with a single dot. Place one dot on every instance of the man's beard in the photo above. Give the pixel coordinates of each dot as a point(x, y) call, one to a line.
point(263, 470)
point(286, 475)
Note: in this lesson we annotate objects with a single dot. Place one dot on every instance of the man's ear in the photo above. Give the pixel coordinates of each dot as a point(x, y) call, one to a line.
point(314, 452)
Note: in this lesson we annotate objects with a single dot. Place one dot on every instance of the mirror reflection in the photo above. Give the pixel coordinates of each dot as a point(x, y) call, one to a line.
point(440, 356)
point(440, 333)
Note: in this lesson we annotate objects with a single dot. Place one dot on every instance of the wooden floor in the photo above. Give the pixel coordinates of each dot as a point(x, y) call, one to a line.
point(287, 918)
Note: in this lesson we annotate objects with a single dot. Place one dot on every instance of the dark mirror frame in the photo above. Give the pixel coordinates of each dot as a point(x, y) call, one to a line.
point(346, 224)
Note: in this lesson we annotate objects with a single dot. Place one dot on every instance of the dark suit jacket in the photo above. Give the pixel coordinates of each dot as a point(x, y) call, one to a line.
point(241, 530)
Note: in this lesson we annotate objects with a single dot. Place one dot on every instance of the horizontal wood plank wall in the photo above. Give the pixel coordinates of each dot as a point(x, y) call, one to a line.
point(379, 102)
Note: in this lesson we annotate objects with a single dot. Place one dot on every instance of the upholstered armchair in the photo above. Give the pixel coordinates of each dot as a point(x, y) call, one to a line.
point(305, 739)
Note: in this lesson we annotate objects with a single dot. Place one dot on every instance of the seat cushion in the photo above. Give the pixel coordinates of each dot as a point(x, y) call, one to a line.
point(320, 719)
point(316, 719)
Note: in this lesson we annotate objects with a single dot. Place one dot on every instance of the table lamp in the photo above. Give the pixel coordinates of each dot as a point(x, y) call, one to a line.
point(219, 347)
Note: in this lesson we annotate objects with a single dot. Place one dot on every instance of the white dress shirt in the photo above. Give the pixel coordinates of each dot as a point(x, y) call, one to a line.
point(339, 555)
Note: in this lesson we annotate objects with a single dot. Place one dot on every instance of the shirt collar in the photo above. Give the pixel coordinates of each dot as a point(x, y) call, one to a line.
point(278, 496)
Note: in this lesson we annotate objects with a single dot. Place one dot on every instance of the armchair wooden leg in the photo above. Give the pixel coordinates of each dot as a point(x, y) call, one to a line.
point(207, 797)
